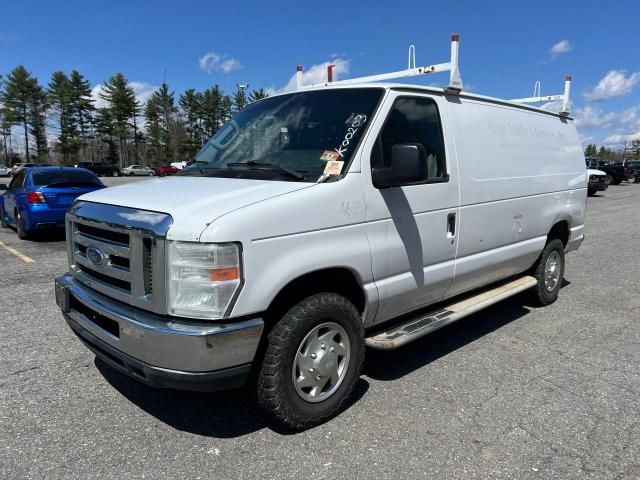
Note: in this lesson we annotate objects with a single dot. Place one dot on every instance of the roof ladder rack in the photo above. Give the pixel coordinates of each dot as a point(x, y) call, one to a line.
point(455, 81)
point(537, 98)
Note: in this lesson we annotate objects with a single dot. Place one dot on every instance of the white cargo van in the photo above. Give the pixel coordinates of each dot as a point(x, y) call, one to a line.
point(316, 223)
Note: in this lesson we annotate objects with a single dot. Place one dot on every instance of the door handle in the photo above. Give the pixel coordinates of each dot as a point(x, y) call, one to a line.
point(451, 225)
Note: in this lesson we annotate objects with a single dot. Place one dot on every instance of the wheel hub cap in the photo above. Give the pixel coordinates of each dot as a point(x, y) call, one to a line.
point(552, 271)
point(321, 362)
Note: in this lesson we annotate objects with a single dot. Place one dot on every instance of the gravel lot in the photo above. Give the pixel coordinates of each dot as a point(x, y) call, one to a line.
point(510, 392)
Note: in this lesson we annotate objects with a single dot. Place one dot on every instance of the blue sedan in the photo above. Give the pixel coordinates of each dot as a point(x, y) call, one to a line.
point(38, 198)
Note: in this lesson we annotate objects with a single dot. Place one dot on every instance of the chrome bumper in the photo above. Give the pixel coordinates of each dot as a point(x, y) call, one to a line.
point(159, 342)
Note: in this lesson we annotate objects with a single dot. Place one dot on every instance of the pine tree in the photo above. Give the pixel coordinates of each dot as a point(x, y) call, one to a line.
point(17, 95)
point(121, 101)
point(191, 104)
point(38, 106)
point(239, 99)
point(82, 107)
point(256, 95)
point(60, 95)
point(212, 110)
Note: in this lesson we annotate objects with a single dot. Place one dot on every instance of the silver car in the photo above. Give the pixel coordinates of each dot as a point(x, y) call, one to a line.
point(138, 170)
point(5, 171)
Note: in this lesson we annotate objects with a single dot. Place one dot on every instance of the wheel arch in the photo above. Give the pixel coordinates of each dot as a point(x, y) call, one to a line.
point(561, 231)
point(340, 280)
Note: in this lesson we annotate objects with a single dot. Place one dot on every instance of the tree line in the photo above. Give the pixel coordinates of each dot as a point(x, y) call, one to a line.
point(628, 152)
point(61, 123)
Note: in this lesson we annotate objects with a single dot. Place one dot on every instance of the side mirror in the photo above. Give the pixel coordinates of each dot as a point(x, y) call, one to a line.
point(3, 186)
point(408, 165)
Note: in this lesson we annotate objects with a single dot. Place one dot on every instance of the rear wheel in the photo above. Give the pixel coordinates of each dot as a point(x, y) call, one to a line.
point(23, 234)
point(115, 173)
point(151, 174)
point(549, 272)
point(609, 179)
point(312, 362)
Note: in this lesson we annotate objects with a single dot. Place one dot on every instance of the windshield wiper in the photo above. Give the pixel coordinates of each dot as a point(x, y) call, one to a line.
point(253, 163)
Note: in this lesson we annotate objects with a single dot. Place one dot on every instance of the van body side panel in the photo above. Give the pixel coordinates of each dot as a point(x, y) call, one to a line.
point(300, 233)
point(520, 173)
point(412, 255)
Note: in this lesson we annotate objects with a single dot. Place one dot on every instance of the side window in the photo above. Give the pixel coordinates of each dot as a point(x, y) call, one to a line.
point(17, 181)
point(413, 120)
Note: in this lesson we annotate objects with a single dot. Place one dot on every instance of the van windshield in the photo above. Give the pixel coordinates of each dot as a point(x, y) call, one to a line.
point(289, 137)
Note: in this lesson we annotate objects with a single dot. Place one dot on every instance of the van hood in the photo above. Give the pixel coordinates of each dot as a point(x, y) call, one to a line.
point(192, 202)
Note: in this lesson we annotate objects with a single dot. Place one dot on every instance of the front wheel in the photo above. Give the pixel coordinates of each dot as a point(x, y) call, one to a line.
point(549, 273)
point(312, 362)
point(115, 173)
point(3, 221)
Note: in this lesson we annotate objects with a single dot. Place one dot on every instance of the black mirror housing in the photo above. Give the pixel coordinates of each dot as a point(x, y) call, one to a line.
point(408, 165)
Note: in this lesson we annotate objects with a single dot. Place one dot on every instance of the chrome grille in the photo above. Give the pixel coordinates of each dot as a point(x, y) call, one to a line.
point(118, 252)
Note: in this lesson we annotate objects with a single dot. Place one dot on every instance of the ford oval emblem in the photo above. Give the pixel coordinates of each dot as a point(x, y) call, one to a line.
point(95, 255)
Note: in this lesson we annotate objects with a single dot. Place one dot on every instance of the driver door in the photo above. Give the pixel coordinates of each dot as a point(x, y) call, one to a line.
point(412, 228)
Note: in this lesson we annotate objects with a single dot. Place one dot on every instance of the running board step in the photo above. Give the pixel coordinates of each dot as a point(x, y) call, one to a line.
point(419, 326)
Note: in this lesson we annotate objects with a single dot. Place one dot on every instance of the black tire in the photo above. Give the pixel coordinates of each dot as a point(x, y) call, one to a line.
point(609, 179)
point(540, 295)
point(115, 173)
point(151, 174)
point(276, 392)
point(22, 233)
point(3, 223)
point(617, 181)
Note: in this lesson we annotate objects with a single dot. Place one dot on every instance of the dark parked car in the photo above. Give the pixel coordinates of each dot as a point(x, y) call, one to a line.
point(39, 197)
point(101, 169)
point(166, 170)
point(615, 173)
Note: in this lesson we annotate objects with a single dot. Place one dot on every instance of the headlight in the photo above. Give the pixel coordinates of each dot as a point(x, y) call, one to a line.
point(203, 278)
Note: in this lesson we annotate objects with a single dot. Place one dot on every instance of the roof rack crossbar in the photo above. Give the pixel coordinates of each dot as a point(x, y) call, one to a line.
point(537, 97)
point(455, 81)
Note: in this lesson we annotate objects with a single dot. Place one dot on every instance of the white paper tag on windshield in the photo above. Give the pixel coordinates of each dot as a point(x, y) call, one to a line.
point(333, 167)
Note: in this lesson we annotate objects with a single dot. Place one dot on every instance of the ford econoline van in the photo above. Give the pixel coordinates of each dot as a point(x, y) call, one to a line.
point(315, 224)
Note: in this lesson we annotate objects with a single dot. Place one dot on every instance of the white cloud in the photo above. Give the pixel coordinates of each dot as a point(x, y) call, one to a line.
point(142, 90)
point(619, 139)
point(211, 61)
point(589, 117)
point(592, 117)
point(613, 84)
point(555, 106)
point(563, 46)
point(315, 74)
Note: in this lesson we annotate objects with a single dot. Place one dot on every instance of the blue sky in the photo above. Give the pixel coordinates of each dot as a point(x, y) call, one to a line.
point(505, 46)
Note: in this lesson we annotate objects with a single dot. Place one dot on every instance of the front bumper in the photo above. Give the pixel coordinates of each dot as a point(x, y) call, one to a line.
point(159, 350)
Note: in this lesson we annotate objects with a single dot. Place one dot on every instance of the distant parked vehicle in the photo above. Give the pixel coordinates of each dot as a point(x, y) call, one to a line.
point(179, 165)
point(101, 169)
point(39, 197)
point(137, 170)
point(166, 170)
point(616, 174)
point(634, 171)
point(5, 171)
point(597, 181)
point(19, 166)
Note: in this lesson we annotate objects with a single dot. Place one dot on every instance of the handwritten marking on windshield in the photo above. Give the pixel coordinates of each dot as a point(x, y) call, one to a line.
point(358, 121)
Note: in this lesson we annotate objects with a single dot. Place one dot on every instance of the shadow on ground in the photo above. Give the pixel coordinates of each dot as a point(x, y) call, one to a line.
point(394, 364)
point(233, 413)
point(220, 414)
